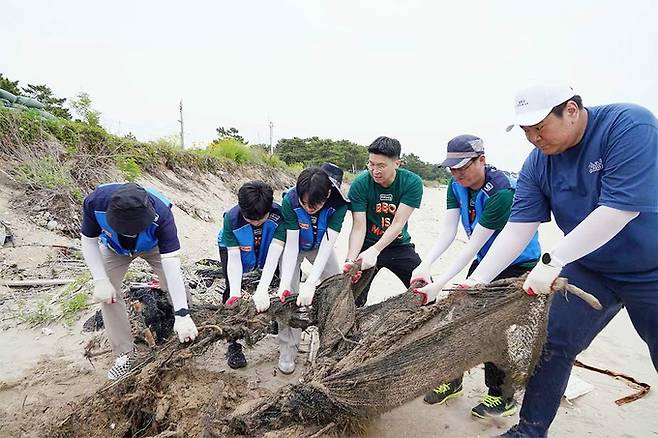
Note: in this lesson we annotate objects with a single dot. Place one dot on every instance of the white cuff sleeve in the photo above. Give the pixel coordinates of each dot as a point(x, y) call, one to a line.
point(597, 229)
point(273, 255)
point(324, 252)
point(92, 255)
point(173, 275)
point(479, 237)
point(505, 249)
point(289, 261)
point(234, 271)
point(446, 236)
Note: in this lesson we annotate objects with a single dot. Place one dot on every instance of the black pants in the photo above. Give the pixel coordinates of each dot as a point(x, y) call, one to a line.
point(400, 260)
point(223, 259)
point(494, 377)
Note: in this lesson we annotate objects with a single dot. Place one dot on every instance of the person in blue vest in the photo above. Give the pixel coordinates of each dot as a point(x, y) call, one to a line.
point(596, 170)
point(121, 222)
point(480, 197)
point(250, 239)
point(313, 213)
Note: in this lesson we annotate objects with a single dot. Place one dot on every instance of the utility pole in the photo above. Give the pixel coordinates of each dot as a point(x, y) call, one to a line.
point(182, 137)
point(271, 127)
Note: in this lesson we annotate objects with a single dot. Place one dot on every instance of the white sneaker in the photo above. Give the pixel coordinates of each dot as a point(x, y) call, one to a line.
point(287, 354)
point(122, 366)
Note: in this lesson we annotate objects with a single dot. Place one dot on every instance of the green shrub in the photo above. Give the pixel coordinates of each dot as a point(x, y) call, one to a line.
point(128, 167)
point(231, 149)
point(45, 173)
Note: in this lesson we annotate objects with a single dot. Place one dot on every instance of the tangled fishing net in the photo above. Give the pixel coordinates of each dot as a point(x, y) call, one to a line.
point(369, 360)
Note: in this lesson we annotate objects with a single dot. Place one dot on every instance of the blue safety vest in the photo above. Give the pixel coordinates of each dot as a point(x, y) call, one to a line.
point(494, 181)
point(244, 233)
point(310, 239)
point(146, 240)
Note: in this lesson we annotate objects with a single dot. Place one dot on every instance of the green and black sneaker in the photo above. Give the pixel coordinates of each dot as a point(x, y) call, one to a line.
point(494, 406)
point(444, 392)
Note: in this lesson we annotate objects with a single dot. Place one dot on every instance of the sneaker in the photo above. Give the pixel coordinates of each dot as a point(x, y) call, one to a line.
point(494, 406)
point(122, 366)
point(444, 392)
point(287, 354)
point(235, 357)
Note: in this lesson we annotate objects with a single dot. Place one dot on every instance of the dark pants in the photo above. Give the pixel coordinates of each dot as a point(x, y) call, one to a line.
point(400, 260)
point(572, 325)
point(494, 377)
point(223, 259)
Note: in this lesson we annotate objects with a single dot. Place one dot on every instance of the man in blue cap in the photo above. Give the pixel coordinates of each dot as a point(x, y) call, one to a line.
point(595, 169)
point(480, 196)
point(121, 222)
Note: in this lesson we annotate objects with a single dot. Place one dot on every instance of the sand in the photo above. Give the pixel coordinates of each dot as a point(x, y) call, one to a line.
point(40, 373)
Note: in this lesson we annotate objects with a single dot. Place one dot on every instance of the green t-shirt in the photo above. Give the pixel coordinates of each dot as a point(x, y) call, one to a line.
point(290, 217)
point(380, 203)
point(231, 241)
point(496, 208)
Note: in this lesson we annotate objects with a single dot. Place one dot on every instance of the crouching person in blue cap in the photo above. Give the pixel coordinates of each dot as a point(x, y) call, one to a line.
point(313, 213)
point(120, 223)
point(480, 197)
point(250, 239)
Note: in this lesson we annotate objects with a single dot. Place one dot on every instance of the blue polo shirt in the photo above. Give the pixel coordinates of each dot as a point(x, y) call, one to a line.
point(98, 200)
point(616, 165)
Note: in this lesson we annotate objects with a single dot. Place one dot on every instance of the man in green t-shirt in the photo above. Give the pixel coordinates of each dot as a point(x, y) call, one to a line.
point(313, 213)
point(382, 200)
point(481, 197)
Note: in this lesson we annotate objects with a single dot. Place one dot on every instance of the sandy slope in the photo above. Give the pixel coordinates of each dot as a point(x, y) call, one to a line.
point(62, 375)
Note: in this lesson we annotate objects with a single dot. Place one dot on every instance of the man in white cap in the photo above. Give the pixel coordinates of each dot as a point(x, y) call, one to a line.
point(595, 169)
point(480, 196)
point(121, 222)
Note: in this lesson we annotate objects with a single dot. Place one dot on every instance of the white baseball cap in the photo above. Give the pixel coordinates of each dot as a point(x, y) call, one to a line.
point(533, 104)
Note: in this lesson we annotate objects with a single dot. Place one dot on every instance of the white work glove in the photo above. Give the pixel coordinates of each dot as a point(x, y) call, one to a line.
point(261, 299)
point(233, 299)
point(541, 278)
point(185, 328)
point(431, 292)
point(368, 258)
point(306, 293)
point(104, 292)
point(421, 273)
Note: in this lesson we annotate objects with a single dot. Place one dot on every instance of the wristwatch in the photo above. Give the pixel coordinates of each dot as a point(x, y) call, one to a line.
point(182, 312)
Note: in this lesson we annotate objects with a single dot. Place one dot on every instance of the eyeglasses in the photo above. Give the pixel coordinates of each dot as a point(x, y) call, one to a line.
point(376, 166)
point(463, 168)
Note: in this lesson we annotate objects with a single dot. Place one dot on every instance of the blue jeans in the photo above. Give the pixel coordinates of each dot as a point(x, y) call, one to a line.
point(572, 326)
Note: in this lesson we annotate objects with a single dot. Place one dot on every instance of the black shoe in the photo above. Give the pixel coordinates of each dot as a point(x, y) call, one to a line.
point(235, 356)
point(494, 406)
point(444, 392)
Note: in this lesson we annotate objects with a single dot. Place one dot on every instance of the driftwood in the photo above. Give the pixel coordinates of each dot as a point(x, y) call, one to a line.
point(369, 360)
point(36, 282)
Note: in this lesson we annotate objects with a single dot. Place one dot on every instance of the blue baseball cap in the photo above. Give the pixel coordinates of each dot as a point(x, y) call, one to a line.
point(463, 149)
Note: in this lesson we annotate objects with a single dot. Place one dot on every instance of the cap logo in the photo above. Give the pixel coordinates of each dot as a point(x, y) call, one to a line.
point(521, 102)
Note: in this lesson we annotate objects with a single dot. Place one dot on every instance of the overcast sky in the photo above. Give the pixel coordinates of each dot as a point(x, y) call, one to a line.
point(420, 71)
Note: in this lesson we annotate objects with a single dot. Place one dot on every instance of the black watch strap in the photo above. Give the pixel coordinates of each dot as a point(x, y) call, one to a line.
point(182, 312)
